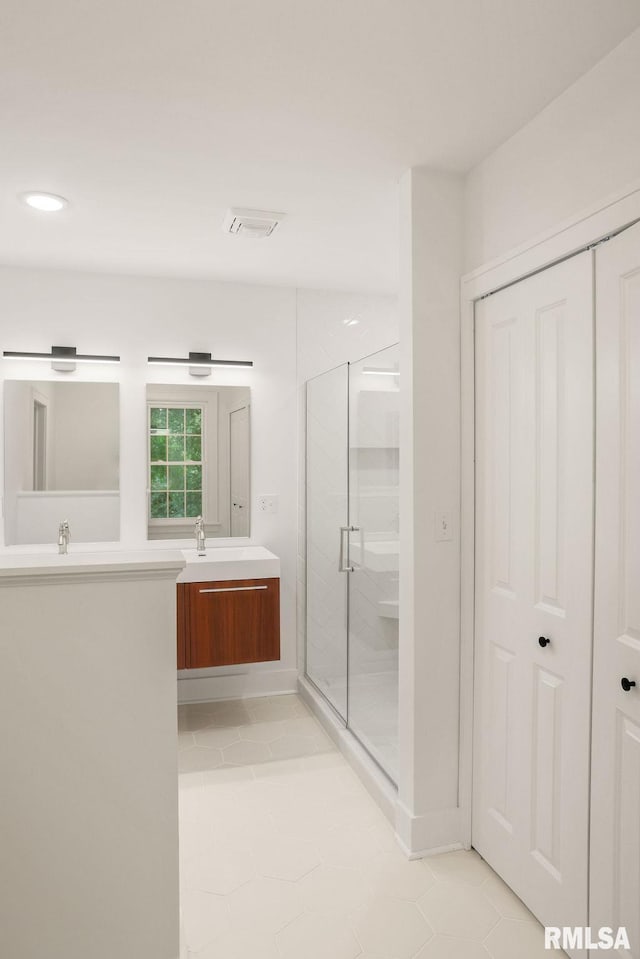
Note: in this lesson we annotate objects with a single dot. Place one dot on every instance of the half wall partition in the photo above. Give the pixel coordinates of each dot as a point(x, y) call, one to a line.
point(353, 547)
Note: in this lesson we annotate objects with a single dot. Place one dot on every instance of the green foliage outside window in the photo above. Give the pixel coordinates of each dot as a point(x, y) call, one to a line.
point(176, 470)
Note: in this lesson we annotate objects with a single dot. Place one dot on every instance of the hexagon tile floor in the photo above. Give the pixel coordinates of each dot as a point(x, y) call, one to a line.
point(284, 855)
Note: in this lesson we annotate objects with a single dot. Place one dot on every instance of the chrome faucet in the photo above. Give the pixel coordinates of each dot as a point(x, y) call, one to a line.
point(201, 543)
point(64, 536)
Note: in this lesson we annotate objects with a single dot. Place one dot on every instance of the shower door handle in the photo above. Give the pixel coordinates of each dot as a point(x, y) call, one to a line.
point(344, 531)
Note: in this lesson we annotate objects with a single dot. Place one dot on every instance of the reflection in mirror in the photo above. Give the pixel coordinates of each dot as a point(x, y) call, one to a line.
point(61, 461)
point(198, 460)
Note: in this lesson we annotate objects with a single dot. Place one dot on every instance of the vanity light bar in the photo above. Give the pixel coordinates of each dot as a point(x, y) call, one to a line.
point(65, 354)
point(197, 359)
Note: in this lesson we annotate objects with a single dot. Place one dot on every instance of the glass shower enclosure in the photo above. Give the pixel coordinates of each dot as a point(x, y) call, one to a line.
point(352, 475)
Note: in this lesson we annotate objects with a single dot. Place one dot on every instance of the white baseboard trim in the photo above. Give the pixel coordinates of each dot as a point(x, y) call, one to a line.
point(422, 853)
point(418, 836)
point(374, 780)
point(245, 685)
point(184, 952)
point(431, 833)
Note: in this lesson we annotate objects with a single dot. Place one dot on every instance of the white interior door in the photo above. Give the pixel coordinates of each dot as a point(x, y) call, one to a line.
point(615, 797)
point(239, 470)
point(39, 445)
point(534, 556)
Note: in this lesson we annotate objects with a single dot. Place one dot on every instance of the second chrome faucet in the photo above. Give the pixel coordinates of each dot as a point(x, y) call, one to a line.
point(64, 536)
point(201, 543)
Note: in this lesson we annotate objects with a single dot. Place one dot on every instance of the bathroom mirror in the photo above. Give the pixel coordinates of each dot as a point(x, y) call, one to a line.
point(61, 461)
point(198, 460)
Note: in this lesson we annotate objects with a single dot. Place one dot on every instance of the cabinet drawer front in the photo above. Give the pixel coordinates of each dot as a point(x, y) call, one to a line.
point(233, 622)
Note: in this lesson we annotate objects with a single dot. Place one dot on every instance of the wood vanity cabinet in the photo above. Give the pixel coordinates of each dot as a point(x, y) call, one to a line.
point(228, 623)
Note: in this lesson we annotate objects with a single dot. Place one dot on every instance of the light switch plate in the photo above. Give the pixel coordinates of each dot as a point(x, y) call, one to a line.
point(268, 503)
point(444, 526)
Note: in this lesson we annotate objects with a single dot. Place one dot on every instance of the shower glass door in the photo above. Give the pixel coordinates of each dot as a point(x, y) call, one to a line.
point(374, 554)
point(352, 547)
point(327, 506)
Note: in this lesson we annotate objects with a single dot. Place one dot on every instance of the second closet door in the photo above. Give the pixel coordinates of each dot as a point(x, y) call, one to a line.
point(534, 507)
point(615, 797)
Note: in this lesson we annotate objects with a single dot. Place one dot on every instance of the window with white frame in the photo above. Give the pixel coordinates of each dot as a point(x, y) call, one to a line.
point(188, 460)
point(177, 480)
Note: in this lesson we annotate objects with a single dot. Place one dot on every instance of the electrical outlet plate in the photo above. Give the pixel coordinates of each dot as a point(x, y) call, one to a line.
point(268, 503)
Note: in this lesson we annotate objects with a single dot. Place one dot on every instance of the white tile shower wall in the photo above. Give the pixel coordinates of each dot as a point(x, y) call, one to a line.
point(332, 328)
point(336, 328)
point(139, 316)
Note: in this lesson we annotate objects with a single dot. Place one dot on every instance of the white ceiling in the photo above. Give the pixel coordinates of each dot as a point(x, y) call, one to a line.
point(154, 116)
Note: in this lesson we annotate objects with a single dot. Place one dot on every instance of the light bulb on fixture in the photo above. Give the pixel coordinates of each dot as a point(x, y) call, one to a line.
point(45, 202)
point(373, 371)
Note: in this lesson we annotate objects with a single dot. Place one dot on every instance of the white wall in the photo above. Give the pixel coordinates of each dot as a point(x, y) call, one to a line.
point(582, 149)
point(431, 229)
point(89, 861)
point(86, 436)
point(139, 316)
point(94, 516)
point(18, 459)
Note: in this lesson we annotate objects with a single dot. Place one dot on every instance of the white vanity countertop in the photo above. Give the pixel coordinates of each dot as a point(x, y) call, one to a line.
point(219, 563)
point(19, 565)
point(229, 562)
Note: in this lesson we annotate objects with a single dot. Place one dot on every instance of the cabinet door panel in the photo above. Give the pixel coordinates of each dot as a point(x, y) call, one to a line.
point(181, 608)
point(233, 622)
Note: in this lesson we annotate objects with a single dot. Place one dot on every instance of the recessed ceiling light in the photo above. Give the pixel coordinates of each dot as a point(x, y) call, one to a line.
point(351, 321)
point(45, 202)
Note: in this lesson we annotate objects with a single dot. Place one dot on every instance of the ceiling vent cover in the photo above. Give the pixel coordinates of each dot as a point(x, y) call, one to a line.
point(256, 224)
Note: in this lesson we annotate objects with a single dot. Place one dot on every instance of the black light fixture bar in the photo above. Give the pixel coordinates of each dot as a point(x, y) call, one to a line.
point(197, 359)
point(61, 353)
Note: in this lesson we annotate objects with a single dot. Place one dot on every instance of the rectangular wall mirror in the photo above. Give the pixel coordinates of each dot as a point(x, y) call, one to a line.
point(198, 460)
point(61, 461)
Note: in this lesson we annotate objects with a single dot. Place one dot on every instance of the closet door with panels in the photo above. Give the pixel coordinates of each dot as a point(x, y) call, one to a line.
point(615, 796)
point(534, 568)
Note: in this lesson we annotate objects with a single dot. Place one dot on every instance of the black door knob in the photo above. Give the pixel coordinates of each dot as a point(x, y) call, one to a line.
point(543, 641)
point(627, 683)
